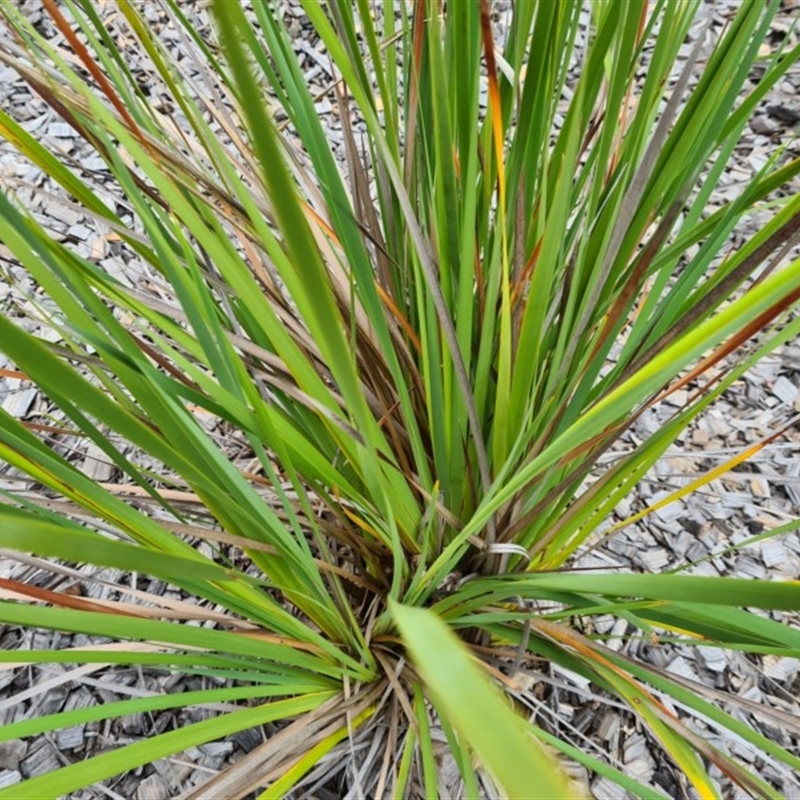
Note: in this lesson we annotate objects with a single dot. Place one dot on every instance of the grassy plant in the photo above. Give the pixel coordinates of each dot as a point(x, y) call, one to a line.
point(422, 353)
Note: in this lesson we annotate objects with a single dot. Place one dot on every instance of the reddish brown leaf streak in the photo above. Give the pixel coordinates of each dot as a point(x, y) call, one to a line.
point(90, 64)
point(61, 599)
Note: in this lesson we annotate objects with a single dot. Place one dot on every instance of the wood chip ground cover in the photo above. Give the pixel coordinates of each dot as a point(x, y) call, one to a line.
point(759, 495)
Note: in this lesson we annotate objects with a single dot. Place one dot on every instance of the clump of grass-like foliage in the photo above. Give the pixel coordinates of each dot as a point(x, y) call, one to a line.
point(423, 354)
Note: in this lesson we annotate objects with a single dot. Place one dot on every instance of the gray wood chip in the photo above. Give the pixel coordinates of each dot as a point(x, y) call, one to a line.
point(216, 748)
point(80, 231)
point(623, 509)
point(790, 568)
point(96, 464)
point(572, 677)
point(606, 789)
point(713, 658)
point(18, 403)
point(35, 123)
point(654, 559)
point(134, 724)
point(671, 512)
point(696, 551)
point(635, 748)
point(154, 787)
point(678, 398)
point(752, 693)
point(97, 247)
point(51, 700)
point(780, 669)
point(742, 750)
point(565, 711)
point(680, 666)
point(69, 738)
point(61, 130)
point(249, 739)
point(773, 553)
point(9, 777)
point(717, 423)
point(64, 214)
point(793, 487)
point(93, 163)
point(762, 125)
point(603, 624)
point(323, 107)
point(609, 726)
point(681, 543)
point(41, 758)
point(642, 769)
point(615, 638)
point(448, 774)
point(748, 567)
point(785, 390)
point(11, 752)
